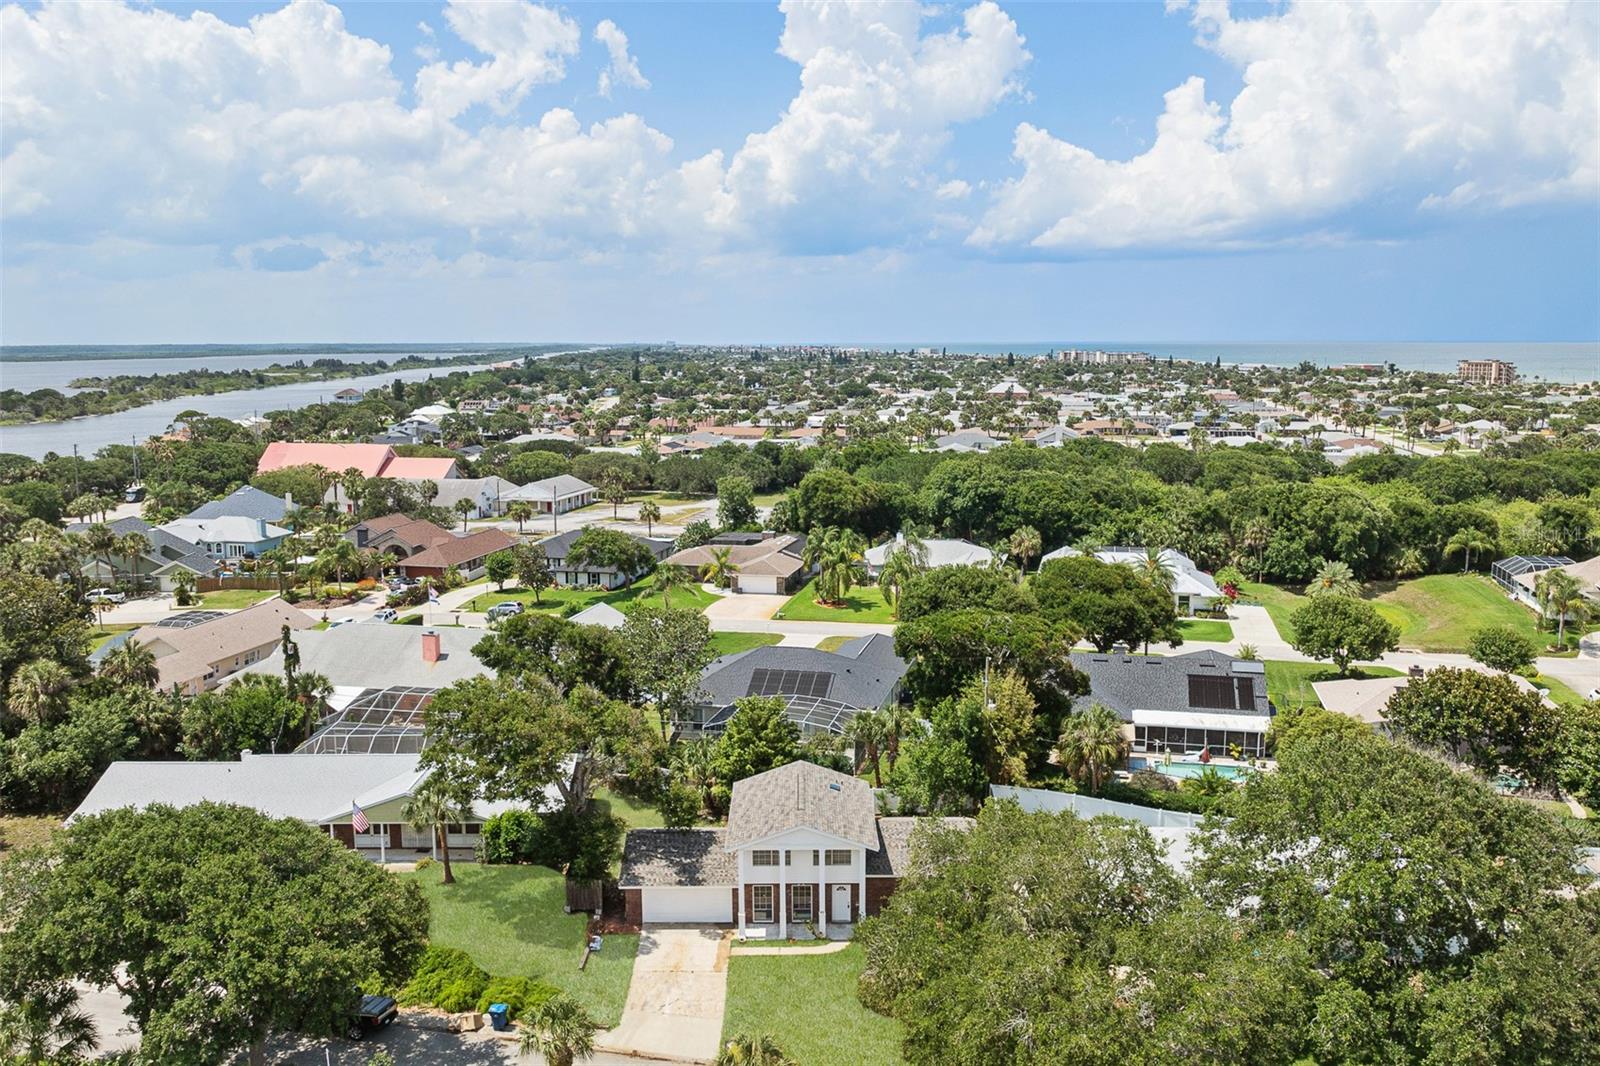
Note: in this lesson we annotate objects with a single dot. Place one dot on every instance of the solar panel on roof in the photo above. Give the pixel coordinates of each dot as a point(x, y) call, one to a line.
point(188, 619)
point(766, 682)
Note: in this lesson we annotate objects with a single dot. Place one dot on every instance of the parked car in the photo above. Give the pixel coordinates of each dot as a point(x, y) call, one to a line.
point(374, 1013)
point(385, 614)
point(337, 622)
point(135, 494)
point(504, 610)
point(107, 596)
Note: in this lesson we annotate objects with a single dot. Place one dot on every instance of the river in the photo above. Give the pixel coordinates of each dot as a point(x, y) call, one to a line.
point(94, 432)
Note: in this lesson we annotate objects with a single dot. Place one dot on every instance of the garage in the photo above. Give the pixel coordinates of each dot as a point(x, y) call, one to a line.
point(697, 904)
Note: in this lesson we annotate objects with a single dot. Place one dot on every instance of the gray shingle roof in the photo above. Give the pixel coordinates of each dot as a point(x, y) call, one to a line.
point(164, 547)
point(802, 795)
point(893, 857)
point(865, 671)
point(246, 501)
point(374, 655)
point(1161, 683)
point(675, 858)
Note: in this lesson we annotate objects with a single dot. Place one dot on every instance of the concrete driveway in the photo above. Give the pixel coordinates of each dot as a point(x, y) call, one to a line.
point(744, 607)
point(677, 996)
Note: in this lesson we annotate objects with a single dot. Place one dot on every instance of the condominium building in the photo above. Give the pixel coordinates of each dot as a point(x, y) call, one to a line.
point(1487, 371)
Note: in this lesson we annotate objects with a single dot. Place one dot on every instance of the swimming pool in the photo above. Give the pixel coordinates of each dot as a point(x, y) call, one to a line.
point(1179, 768)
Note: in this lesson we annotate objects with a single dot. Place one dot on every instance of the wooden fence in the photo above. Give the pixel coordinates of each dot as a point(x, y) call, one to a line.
point(239, 581)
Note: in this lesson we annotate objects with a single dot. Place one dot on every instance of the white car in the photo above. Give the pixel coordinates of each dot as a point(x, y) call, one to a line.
point(106, 596)
point(385, 614)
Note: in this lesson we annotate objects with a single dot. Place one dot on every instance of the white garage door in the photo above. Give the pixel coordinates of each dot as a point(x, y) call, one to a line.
point(688, 905)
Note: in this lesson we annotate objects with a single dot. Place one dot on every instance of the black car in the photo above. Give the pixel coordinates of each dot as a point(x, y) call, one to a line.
point(375, 1012)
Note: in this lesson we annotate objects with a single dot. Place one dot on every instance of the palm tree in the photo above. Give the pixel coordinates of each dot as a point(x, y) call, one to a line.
point(1257, 535)
point(898, 721)
point(1155, 571)
point(649, 514)
point(837, 553)
point(338, 557)
point(757, 1050)
point(613, 489)
point(464, 508)
point(1334, 579)
point(560, 1029)
point(1025, 544)
point(39, 691)
point(1091, 744)
point(1466, 541)
point(695, 762)
point(898, 570)
point(47, 1027)
point(131, 546)
point(720, 570)
point(868, 731)
point(433, 809)
point(520, 512)
point(1560, 596)
point(132, 664)
point(671, 576)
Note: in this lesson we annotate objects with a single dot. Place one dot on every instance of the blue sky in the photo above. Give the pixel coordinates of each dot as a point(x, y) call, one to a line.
point(755, 172)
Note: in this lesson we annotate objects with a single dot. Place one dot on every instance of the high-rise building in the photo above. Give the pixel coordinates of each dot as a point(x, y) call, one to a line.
point(1487, 371)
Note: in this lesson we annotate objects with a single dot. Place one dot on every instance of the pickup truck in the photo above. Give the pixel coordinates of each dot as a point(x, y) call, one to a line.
point(375, 1012)
point(106, 596)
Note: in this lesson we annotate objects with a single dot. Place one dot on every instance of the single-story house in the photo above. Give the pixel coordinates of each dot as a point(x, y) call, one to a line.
point(1517, 574)
point(228, 537)
point(373, 655)
point(1367, 699)
point(348, 396)
point(935, 553)
point(803, 844)
point(160, 565)
point(487, 494)
point(1184, 704)
point(465, 553)
point(1586, 574)
point(320, 790)
point(557, 548)
point(599, 614)
point(195, 650)
point(557, 495)
point(1192, 588)
point(770, 563)
point(247, 501)
point(967, 440)
point(822, 689)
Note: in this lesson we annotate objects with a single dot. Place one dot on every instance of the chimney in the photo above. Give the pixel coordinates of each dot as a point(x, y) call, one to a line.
point(430, 647)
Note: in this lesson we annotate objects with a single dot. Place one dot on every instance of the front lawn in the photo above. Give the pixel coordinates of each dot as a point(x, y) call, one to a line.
point(1560, 692)
point(1207, 630)
point(510, 919)
point(826, 1026)
point(637, 815)
point(1289, 683)
point(863, 603)
point(733, 643)
point(26, 830)
point(100, 634)
point(235, 599)
point(1434, 613)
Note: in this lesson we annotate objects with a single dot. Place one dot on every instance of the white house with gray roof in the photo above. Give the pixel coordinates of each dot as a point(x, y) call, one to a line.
point(803, 845)
point(822, 690)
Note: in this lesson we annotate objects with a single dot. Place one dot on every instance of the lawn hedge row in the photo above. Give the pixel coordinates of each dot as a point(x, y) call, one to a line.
point(448, 979)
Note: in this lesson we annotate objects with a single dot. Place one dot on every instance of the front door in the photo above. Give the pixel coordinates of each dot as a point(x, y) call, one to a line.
point(840, 911)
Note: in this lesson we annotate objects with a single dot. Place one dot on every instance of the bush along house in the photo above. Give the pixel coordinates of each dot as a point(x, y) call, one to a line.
point(804, 847)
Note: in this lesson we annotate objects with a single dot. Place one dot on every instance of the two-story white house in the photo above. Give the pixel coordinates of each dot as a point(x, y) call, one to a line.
point(803, 845)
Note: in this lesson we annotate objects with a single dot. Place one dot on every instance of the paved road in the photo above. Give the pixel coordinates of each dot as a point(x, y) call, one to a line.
point(677, 997)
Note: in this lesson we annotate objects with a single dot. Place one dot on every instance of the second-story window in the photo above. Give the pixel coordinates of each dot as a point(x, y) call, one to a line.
point(763, 858)
point(838, 857)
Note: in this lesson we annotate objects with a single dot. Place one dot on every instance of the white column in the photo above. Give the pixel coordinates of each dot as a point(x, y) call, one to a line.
point(861, 900)
point(739, 859)
point(383, 846)
point(783, 895)
point(819, 908)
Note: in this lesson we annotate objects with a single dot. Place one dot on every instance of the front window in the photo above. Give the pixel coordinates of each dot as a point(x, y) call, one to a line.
point(803, 911)
point(761, 903)
point(838, 857)
point(763, 858)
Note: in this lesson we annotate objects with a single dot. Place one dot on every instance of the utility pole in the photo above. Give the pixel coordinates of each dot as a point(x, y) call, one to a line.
point(77, 487)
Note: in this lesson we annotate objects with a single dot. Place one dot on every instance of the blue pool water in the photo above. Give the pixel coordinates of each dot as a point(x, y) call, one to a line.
point(1177, 768)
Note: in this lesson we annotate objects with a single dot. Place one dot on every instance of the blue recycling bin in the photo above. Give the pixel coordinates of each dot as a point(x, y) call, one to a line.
point(500, 1016)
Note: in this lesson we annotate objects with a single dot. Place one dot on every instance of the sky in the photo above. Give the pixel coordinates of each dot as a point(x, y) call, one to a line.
point(803, 172)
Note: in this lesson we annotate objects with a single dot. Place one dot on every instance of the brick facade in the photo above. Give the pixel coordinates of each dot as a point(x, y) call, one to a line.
point(878, 890)
point(827, 899)
point(633, 905)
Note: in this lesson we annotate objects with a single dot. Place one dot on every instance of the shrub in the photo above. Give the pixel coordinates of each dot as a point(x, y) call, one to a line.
point(1501, 648)
point(680, 806)
point(366, 584)
point(409, 620)
point(292, 596)
point(446, 978)
point(587, 843)
point(509, 837)
point(1152, 781)
point(1188, 802)
point(517, 993)
point(425, 862)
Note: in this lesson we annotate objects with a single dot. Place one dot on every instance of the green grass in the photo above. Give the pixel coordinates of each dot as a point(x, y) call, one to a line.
point(827, 1026)
point(864, 603)
point(100, 634)
point(510, 920)
point(26, 830)
point(833, 643)
point(637, 815)
point(1210, 630)
point(235, 599)
point(1559, 692)
point(1435, 613)
point(691, 597)
point(1289, 683)
point(733, 643)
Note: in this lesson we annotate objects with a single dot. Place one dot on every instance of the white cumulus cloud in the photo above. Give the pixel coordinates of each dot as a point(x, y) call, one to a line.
point(1383, 106)
point(527, 46)
point(624, 68)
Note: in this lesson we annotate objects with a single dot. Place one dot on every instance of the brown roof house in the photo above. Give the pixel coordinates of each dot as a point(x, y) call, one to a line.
point(803, 846)
point(765, 563)
point(464, 553)
point(195, 650)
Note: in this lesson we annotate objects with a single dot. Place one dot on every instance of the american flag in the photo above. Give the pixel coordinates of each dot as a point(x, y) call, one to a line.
point(358, 819)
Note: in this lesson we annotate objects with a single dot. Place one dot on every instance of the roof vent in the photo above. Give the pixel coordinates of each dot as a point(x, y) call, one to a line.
point(835, 786)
